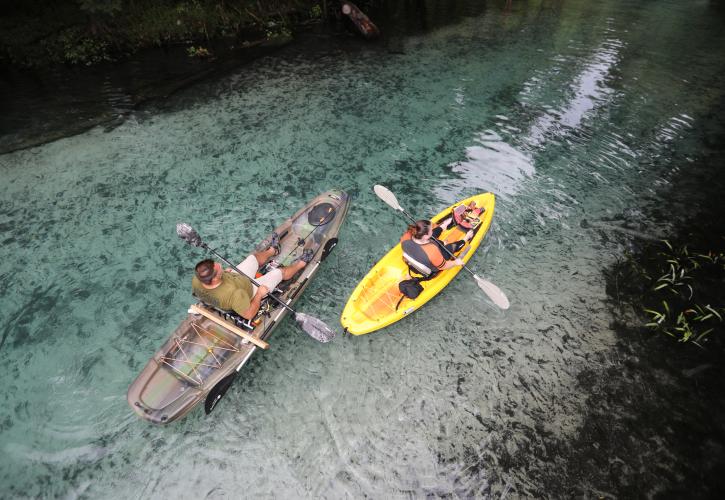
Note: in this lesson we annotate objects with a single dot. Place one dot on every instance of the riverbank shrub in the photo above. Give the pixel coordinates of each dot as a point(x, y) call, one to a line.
point(198, 52)
point(84, 32)
point(78, 48)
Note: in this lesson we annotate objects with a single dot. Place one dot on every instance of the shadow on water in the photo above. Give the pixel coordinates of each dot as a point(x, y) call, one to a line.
point(654, 425)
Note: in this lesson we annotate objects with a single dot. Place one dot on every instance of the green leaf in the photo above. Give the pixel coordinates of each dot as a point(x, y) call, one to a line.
point(714, 312)
point(702, 335)
point(659, 287)
point(655, 314)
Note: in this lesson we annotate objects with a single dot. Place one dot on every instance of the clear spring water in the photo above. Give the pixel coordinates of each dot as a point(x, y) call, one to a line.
point(566, 110)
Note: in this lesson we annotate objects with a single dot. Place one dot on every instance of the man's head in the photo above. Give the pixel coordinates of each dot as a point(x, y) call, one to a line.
point(206, 271)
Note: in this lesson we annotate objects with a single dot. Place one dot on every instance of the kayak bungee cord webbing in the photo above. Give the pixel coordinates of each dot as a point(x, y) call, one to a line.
point(186, 360)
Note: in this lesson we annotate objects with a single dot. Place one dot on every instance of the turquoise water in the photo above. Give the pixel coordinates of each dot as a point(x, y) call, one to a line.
point(567, 111)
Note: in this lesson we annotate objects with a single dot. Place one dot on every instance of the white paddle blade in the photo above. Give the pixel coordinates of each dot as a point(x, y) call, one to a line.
point(315, 327)
point(387, 196)
point(494, 293)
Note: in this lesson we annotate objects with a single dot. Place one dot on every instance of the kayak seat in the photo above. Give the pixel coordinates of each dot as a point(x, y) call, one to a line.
point(230, 316)
point(241, 322)
point(417, 266)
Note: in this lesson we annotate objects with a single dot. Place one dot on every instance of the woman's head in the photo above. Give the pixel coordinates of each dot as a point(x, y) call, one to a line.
point(421, 229)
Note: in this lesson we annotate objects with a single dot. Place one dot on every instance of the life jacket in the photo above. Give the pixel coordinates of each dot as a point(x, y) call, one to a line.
point(467, 216)
point(426, 259)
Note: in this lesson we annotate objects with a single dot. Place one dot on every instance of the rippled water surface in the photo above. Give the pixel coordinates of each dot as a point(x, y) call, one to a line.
point(566, 110)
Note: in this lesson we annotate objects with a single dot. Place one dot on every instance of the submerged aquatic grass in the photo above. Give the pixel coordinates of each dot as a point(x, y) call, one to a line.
point(680, 290)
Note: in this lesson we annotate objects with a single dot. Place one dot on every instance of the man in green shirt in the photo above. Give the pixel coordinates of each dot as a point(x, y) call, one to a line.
point(227, 289)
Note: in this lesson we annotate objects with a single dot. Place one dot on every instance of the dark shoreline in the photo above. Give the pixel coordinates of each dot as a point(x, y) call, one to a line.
point(35, 34)
point(56, 101)
point(106, 94)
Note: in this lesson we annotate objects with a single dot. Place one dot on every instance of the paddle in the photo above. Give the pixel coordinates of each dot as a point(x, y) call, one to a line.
point(314, 327)
point(218, 392)
point(493, 292)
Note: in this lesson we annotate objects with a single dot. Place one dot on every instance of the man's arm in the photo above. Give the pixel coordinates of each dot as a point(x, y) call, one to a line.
point(254, 304)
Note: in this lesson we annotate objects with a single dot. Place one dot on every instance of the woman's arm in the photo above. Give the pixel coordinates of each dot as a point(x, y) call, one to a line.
point(452, 263)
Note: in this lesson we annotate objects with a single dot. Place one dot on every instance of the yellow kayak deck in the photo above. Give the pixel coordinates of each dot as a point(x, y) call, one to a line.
point(376, 301)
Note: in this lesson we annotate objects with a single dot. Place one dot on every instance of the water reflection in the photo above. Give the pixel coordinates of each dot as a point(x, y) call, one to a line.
point(491, 165)
point(588, 90)
point(498, 166)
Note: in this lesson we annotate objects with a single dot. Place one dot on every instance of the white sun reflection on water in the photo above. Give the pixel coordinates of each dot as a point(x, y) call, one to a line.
point(494, 164)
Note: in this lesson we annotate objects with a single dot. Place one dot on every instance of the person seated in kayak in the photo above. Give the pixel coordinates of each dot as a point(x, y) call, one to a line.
point(466, 217)
point(226, 289)
point(422, 249)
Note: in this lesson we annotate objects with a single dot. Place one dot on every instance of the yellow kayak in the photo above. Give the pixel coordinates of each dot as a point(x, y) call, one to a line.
point(376, 301)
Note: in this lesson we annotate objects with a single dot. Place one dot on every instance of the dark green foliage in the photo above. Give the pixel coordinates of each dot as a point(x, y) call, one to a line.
point(108, 7)
point(686, 290)
point(78, 48)
point(679, 290)
point(85, 32)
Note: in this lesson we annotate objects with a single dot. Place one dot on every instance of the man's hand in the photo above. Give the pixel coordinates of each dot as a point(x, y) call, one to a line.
point(262, 290)
point(459, 262)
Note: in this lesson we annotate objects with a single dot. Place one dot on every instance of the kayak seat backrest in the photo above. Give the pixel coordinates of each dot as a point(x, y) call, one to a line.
point(416, 265)
point(230, 316)
point(416, 258)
